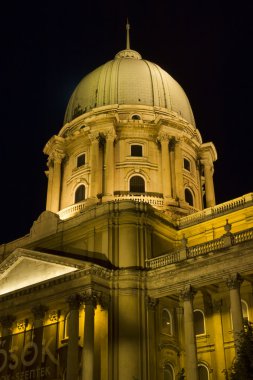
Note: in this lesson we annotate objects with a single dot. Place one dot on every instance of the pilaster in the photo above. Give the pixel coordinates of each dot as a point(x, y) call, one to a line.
point(151, 305)
point(164, 138)
point(179, 170)
point(109, 165)
point(94, 165)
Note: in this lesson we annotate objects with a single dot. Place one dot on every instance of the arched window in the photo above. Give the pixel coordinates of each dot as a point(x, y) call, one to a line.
point(188, 197)
point(166, 322)
point(168, 373)
point(80, 194)
point(66, 326)
point(199, 322)
point(245, 311)
point(203, 372)
point(136, 117)
point(137, 184)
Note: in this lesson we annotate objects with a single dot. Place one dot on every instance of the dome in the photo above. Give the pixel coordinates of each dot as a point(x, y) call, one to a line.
point(129, 79)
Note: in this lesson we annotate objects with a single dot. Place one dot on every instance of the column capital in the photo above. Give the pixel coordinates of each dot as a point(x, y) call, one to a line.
point(39, 311)
point(234, 281)
point(7, 320)
point(74, 301)
point(90, 298)
point(177, 140)
point(94, 137)
point(152, 303)
point(188, 293)
point(163, 136)
point(110, 134)
point(56, 156)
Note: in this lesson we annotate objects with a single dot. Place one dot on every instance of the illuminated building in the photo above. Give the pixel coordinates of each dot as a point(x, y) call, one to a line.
point(132, 272)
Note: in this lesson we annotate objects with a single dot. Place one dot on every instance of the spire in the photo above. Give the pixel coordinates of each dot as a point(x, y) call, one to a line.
point(127, 35)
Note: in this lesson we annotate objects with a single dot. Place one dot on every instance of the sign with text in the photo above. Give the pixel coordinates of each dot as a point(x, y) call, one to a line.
point(30, 355)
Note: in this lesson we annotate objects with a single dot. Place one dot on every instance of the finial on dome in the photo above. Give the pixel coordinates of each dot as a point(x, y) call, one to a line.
point(127, 35)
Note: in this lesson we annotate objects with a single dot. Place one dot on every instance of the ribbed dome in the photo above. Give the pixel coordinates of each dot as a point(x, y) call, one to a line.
point(131, 80)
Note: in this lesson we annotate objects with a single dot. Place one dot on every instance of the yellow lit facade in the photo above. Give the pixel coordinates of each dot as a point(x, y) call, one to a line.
point(132, 272)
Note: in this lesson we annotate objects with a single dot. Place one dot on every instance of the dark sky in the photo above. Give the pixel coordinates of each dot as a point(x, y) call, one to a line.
point(47, 47)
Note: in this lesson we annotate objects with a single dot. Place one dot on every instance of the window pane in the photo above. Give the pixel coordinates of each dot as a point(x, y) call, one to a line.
point(80, 194)
point(245, 310)
point(66, 326)
point(136, 150)
point(203, 372)
point(187, 164)
point(199, 322)
point(168, 373)
point(166, 322)
point(80, 160)
point(136, 117)
point(137, 184)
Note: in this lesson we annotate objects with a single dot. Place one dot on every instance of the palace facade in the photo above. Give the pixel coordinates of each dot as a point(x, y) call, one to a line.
point(132, 272)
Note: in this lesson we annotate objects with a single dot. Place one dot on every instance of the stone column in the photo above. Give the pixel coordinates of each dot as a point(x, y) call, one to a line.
point(50, 174)
point(180, 323)
point(191, 362)
point(74, 302)
point(173, 173)
point(218, 336)
point(234, 283)
point(94, 165)
point(39, 312)
point(166, 166)
point(152, 304)
point(179, 170)
point(109, 165)
point(56, 182)
point(90, 302)
point(209, 187)
point(200, 193)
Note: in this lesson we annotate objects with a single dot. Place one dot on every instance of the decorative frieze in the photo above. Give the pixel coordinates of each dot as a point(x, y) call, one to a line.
point(54, 315)
point(22, 324)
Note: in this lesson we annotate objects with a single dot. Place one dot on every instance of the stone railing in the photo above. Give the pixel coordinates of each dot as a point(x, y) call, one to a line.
point(155, 199)
point(240, 237)
point(163, 260)
point(72, 210)
point(203, 248)
point(212, 212)
point(200, 249)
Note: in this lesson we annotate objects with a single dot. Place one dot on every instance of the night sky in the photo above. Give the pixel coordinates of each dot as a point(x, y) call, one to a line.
point(47, 47)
